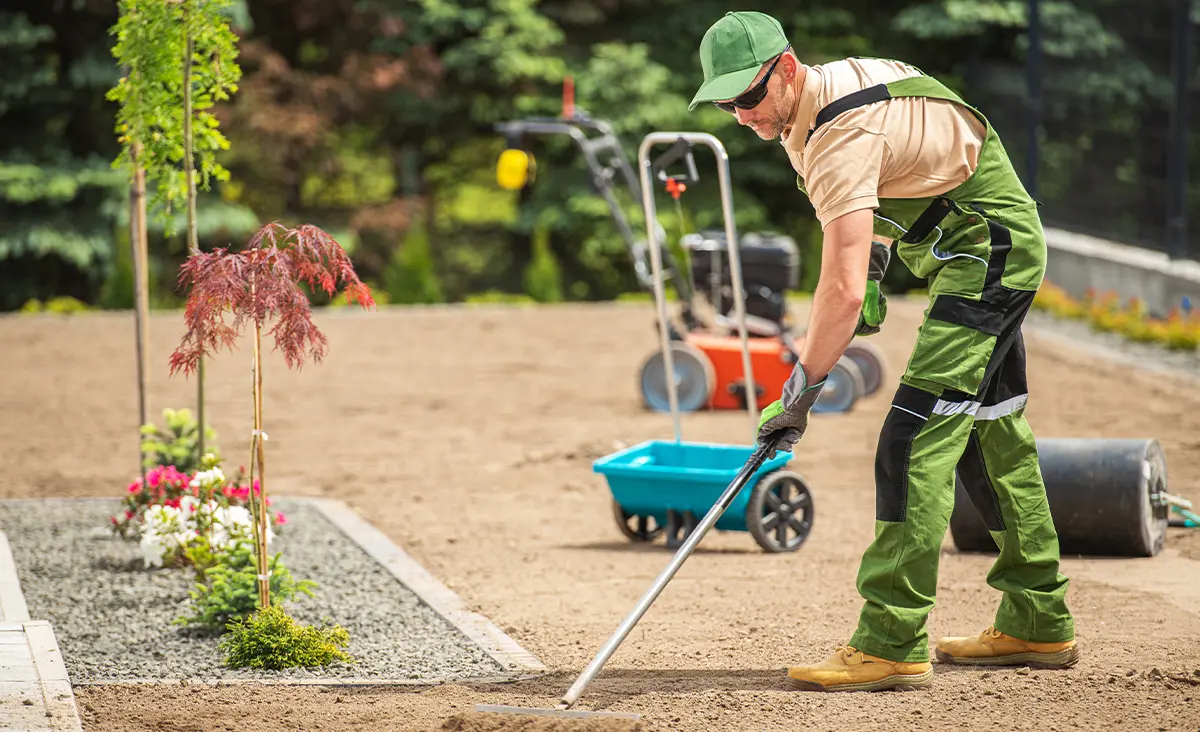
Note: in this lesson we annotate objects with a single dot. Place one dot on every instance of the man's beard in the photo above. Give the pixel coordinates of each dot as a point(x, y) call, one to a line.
point(771, 129)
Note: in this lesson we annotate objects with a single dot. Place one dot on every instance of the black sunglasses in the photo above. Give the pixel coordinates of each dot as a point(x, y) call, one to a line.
point(753, 96)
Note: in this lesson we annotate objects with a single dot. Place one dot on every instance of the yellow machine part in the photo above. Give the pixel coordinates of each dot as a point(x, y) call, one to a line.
point(515, 169)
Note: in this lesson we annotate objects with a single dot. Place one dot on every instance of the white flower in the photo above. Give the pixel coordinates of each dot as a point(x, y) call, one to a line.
point(161, 519)
point(152, 550)
point(233, 524)
point(166, 530)
point(206, 479)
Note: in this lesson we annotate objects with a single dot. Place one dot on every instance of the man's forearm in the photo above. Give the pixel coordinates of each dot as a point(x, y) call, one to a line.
point(831, 324)
point(837, 301)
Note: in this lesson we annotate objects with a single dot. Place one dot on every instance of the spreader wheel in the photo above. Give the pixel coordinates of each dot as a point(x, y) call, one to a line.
point(695, 379)
point(870, 360)
point(634, 527)
point(843, 387)
point(779, 513)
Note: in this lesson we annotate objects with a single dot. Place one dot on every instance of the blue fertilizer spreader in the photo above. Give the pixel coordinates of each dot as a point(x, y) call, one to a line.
point(662, 486)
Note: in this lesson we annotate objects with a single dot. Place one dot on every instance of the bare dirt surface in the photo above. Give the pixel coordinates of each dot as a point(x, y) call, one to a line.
point(467, 435)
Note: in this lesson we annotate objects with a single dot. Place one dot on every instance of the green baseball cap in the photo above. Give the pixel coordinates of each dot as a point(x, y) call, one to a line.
point(733, 50)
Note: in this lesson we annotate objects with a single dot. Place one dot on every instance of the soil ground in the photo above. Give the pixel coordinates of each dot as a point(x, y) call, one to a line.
point(467, 435)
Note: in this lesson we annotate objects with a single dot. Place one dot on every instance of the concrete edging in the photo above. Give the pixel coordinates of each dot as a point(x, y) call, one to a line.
point(31, 664)
point(12, 600)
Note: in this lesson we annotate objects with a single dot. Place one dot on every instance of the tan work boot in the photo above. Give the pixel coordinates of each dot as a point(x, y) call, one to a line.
point(993, 648)
point(849, 669)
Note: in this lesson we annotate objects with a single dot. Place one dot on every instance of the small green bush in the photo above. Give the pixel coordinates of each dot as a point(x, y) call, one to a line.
point(497, 297)
point(380, 296)
point(228, 591)
point(271, 639)
point(177, 443)
point(543, 280)
point(411, 275)
point(62, 305)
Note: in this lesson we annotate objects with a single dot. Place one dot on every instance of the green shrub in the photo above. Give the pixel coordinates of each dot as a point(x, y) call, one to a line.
point(228, 591)
point(62, 305)
point(119, 289)
point(495, 296)
point(177, 444)
point(271, 639)
point(543, 280)
point(411, 277)
point(381, 297)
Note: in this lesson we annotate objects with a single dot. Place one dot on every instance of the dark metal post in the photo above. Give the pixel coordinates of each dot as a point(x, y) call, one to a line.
point(1177, 153)
point(1033, 80)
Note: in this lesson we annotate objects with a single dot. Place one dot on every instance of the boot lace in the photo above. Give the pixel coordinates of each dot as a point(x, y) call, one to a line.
point(849, 653)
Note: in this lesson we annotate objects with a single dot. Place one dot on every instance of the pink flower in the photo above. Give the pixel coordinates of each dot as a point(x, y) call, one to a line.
point(128, 514)
point(280, 518)
point(135, 486)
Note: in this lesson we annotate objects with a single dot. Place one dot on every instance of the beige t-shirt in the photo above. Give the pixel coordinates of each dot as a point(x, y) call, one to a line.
point(909, 147)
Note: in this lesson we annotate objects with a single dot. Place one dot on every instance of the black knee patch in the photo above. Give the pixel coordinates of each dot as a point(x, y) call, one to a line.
point(972, 473)
point(911, 408)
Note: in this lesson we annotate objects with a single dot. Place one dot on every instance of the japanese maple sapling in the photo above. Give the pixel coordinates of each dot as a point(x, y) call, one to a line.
point(260, 283)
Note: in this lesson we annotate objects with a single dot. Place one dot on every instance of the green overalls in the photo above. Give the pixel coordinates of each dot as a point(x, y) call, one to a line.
point(960, 405)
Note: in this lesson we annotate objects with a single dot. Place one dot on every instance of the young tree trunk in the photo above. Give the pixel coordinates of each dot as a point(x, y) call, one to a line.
point(260, 539)
point(190, 177)
point(137, 242)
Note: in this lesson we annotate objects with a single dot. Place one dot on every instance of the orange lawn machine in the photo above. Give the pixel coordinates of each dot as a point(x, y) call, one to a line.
point(705, 345)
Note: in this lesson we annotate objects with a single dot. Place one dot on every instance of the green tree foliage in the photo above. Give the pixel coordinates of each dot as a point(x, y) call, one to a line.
point(1107, 96)
point(59, 201)
point(150, 45)
point(357, 114)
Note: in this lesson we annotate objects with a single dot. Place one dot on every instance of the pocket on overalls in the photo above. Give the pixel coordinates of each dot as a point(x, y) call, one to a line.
point(955, 343)
point(1025, 262)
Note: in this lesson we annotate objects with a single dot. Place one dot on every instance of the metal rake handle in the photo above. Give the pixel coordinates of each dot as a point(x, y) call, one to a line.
point(752, 465)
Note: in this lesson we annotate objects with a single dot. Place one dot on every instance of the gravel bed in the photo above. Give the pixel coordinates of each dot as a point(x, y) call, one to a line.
point(113, 617)
point(1145, 354)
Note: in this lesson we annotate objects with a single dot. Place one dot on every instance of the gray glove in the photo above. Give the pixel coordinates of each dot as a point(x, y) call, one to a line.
point(790, 412)
point(874, 307)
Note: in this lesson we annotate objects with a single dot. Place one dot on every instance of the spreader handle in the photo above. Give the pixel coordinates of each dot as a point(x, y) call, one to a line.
point(752, 465)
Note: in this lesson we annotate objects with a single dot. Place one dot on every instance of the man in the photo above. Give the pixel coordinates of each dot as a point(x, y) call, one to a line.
point(885, 152)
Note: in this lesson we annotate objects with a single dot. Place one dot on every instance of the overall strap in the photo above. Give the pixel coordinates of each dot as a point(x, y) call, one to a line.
point(913, 86)
point(853, 100)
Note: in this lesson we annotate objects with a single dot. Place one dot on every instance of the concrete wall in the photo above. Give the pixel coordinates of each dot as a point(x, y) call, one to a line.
point(1077, 262)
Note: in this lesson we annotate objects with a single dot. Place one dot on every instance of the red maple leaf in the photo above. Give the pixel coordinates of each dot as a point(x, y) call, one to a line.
point(261, 283)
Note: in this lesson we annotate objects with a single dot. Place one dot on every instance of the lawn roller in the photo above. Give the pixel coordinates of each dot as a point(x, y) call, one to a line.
point(706, 365)
point(660, 487)
point(1108, 497)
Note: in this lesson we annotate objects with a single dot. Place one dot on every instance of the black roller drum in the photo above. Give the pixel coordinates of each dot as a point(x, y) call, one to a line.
point(1103, 496)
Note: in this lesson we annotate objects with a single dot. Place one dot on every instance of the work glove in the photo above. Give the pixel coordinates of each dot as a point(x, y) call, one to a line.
point(874, 307)
point(790, 412)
